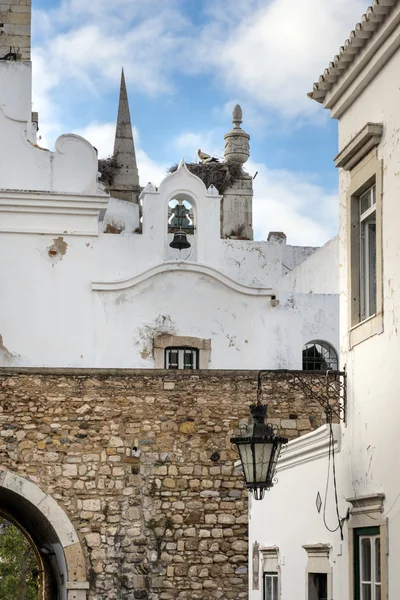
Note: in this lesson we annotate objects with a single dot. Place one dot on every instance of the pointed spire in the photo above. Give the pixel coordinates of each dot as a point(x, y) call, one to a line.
point(126, 182)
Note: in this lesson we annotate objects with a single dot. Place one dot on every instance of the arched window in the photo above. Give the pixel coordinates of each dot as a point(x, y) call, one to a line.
point(319, 356)
point(180, 215)
point(181, 358)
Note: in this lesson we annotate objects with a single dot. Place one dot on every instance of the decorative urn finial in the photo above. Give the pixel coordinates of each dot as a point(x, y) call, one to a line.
point(237, 141)
point(237, 116)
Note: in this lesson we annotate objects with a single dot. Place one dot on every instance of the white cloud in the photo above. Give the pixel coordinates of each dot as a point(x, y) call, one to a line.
point(188, 142)
point(267, 54)
point(293, 203)
point(274, 52)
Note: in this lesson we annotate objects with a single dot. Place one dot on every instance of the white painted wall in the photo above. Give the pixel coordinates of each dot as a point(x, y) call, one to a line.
point(72, 296)
point(287, 517)
point(372, 442)
point(367, 462)
point(318, 273)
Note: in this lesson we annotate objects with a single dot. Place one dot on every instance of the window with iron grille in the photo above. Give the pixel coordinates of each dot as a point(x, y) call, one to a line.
point(181, 358)
point(319, 356)
point(270, 586)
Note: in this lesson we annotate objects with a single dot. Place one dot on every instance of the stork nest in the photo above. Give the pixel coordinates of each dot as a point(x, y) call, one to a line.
point(222, 175)
point(108, 167)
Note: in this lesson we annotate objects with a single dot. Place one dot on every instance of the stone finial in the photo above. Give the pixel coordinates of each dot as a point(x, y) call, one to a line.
point(237, 146)
point(237, 116)
point(126, 181)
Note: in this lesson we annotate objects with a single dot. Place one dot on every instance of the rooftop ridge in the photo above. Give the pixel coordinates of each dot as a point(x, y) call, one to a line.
point(371, 21)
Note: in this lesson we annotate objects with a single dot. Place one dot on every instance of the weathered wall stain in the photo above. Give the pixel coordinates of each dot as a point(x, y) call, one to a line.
point(58, 249)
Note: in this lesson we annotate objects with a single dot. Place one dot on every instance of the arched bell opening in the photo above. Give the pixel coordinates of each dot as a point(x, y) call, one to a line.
point(181, 221)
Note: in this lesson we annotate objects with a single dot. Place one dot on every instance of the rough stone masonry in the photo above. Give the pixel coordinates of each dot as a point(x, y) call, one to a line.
point(142, 464)
point(15, 28)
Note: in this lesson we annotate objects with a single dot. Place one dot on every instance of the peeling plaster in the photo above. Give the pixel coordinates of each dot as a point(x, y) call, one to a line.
point(5, 352)
point(57, 250)
point(163, 325)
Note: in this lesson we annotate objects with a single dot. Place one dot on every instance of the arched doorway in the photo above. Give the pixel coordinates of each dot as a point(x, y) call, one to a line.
point(21, 567)
point(62, 572)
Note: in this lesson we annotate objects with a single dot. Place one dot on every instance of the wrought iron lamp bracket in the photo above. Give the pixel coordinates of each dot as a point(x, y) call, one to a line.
point(327, 388)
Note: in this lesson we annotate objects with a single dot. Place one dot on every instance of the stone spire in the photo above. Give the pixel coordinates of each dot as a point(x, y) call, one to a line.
point(126, 182)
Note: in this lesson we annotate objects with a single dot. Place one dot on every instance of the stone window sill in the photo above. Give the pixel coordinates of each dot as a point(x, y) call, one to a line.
point(366, 329)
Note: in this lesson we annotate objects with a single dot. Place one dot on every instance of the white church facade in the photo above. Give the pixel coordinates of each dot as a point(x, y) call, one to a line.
point(329, 530)
point(94, 282)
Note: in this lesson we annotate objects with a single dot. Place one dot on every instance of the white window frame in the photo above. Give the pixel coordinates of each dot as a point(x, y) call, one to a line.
point(274, 578)
point(182, 351)
point(364, 176)
point(161, 342)
point(367, 512)
point(271, 568)
point(372, 582)
point(368, 280)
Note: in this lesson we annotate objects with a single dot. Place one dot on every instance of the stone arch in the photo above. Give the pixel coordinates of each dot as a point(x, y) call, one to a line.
point(50, 530)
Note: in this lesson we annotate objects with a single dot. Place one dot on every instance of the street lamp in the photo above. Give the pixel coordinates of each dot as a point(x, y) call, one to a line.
point(259, 450)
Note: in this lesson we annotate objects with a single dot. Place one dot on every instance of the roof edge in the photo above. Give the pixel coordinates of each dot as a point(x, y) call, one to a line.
point(371, 21)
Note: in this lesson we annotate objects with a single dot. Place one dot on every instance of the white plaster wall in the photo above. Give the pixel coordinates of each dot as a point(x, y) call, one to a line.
point(367, 463)
point(63, 322)
point(226, 296)
point(294, 255)
point(318, 273)
point(62, 300)
point(372, 366)
point(287, 517)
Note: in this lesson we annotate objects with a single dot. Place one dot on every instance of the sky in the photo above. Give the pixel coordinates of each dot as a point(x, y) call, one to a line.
point(187, 63)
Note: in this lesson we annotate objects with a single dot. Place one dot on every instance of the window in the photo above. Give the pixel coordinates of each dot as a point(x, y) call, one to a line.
point(367, 253)
point(317, 586)
point(200, 346)
point(365, 256)
point(367, 563)
point(319, 356)
point(270, 586)
point(181, 358)
point(318, 572)
point(271, 571)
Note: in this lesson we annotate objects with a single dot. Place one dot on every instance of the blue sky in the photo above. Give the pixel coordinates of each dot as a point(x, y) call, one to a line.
point(187, 63)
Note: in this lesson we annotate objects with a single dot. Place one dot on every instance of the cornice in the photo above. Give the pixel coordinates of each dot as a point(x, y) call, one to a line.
point(185, 267)
point(309, 447)
point(366, 139)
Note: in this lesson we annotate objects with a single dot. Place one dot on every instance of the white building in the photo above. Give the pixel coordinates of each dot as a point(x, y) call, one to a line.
point(75, 295)
point(291, 529)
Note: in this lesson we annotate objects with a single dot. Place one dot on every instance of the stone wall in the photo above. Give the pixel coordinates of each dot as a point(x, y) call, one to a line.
point(165, 521)
point(15, 27)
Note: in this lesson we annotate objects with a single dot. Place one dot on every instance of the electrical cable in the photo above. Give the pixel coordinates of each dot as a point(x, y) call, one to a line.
point(331, 452)
point(331, 443)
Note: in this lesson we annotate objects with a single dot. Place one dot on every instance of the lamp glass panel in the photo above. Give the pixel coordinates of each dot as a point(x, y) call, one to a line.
point(262, 455)
point(246, 456)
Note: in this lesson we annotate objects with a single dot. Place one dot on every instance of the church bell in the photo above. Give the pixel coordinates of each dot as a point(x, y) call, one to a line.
point(180, 241)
